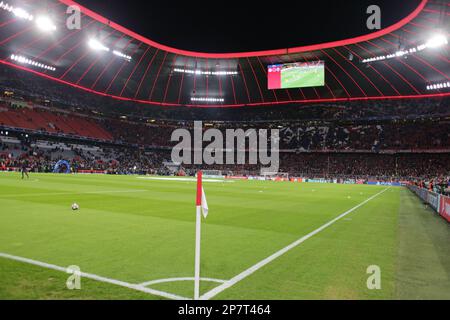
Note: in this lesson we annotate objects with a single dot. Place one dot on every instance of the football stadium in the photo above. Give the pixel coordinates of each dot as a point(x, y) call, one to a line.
point(134, 169)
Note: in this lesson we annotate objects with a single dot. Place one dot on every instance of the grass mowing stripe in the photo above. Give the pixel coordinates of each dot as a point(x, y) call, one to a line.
point(146, 236)
point(211, 294)
point(95, 277)
point(423, 268)
point(69, 193)
point(22, 281)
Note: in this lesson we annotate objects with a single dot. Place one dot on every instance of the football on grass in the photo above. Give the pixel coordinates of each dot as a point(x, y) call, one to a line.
point(75, 207)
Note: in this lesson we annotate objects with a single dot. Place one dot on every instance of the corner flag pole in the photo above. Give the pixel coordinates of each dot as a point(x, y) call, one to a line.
point(198, 236)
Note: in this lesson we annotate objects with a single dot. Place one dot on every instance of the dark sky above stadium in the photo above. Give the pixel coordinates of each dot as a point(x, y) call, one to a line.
point(231, 26)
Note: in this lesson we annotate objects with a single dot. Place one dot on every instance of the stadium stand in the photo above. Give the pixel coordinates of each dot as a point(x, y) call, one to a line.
point(42, 120)
point(380, 123)
point(407, 140)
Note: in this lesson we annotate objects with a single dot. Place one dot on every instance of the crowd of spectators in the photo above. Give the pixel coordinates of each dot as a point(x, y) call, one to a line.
point(386, 140)
point(424, 167)
point(109, 159)
point(373, 136)
point(365, 126)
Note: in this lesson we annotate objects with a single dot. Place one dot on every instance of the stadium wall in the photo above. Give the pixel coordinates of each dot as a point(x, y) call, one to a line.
point(439, 203)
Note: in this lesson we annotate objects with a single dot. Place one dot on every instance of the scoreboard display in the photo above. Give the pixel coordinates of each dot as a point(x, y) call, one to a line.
point(296, 75)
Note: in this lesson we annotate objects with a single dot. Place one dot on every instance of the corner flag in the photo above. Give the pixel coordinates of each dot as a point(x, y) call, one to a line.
point(201, 196)
point(202, 208)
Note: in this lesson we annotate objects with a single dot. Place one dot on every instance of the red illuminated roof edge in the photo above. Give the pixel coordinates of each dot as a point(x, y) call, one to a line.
point(322, 46)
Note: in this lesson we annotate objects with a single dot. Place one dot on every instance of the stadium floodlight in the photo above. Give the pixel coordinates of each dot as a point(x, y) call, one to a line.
point(205, 72)
point(399, 53)
point(205, 99)
point(21, 13)
point(45, 24)
point(25, 60)
point(18, 12)
point(224, 73)
point(437, 41)
point(97, 45)
point(122, 55)
point(438, 86)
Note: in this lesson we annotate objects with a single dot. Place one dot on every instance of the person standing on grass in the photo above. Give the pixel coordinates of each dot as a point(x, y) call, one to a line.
point(24, 169)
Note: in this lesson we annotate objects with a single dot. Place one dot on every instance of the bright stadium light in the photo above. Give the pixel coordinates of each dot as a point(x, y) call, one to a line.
point(122, 55)
point(97, 45)
point(204, 99)
point(437, 41)
point(438, 86)
point(18, 12)
point(205, 72)
point(25, 60)
point(21, 13)
point(45, 24)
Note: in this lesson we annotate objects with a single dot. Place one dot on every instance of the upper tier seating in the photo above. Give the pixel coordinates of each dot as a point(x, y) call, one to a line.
point(36, 119)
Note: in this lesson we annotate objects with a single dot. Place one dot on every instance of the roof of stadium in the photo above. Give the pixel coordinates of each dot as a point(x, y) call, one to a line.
point(102, 57)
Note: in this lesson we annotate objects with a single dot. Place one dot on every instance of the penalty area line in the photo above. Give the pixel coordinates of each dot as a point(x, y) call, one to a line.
point(214, 292)
point(95, 277)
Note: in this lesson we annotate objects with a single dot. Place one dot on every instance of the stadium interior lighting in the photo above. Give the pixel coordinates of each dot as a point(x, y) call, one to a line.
point(436, 41)
point(24, 60)
point(21, 13)
point(122, 55)
point(18, 12)
point(203, 99)
point(397, 54)
point(438, 86)
point(204, 72)
point(45, 24)
point(97, 45)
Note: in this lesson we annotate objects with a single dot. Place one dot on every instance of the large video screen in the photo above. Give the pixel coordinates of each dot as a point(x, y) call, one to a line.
point(296, 75)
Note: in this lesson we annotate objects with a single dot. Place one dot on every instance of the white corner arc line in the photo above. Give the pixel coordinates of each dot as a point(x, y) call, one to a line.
point(96, 277)
point(211, 294)
point(150, 283)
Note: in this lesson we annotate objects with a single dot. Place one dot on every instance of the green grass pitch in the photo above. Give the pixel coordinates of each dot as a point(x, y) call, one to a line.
point(138, 230)
point(302, 78)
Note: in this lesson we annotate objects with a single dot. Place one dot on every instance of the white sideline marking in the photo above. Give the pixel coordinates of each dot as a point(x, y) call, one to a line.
point(259, 265)
point(95, 277)
point(150, 283)
point(184, 179)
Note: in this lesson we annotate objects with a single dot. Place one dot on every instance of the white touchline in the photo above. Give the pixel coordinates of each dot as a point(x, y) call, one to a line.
point(211, 294)
point(184, 180)
point(96, 278)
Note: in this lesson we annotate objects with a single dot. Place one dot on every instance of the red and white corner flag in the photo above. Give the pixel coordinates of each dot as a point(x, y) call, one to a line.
point(201, 197)
point(202, 208)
